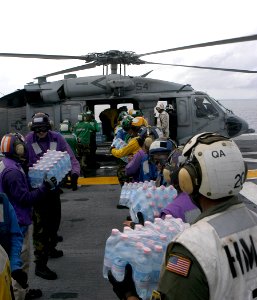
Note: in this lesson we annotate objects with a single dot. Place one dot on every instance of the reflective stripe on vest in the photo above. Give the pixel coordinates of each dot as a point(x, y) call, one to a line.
point(37, 149)
point(221, 223)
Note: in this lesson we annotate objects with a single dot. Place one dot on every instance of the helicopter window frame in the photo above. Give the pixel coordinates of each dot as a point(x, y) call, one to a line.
point(204, 108)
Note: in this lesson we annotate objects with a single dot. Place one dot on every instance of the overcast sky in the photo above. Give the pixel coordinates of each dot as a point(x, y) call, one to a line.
point(81, 26)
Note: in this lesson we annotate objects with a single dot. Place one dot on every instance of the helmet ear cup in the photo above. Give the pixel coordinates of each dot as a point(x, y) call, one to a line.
point(19, 149)
point(189, 179)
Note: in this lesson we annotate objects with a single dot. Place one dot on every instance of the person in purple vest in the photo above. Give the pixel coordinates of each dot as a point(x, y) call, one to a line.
point(15, 184)
point(47, 215)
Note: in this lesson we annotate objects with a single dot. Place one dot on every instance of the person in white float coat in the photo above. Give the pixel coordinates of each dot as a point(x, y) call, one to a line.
point(215, 258)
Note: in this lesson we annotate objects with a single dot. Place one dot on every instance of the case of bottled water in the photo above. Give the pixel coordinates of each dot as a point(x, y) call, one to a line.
point(149, 200)
point(143, 248)
point(118, 143)
point(52, 163)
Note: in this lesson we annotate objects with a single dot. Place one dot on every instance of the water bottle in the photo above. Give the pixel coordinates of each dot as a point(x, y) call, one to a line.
point(137, 204)
point(157, 257)
point(142, 272)
point(118, 268)
point(122, 251)
point(109, 251)
point(172, 193)
point(123, 200)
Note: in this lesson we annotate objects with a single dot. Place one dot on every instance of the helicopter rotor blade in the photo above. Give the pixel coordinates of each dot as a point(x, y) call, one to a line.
point(41, 56)
point(78, 68)
point(207, 68)
point(201, 45)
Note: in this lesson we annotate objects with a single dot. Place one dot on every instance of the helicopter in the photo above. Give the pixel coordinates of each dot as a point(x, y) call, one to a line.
point(193, 111)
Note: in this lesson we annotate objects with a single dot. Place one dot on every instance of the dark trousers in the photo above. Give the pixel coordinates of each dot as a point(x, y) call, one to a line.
point(46, 222)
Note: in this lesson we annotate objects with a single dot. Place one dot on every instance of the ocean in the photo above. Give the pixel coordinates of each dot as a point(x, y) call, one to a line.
point(243, 108)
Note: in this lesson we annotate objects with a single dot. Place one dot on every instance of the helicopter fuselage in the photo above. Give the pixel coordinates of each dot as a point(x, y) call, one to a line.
point(65, 99)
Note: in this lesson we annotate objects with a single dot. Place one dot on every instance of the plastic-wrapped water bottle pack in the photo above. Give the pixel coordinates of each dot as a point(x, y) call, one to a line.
point(146, 198)
point(143, 248)
point(52, 163)
point(118, 143)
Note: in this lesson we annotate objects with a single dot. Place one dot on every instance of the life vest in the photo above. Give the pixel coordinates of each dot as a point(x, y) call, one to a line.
point(225, 246)
point(5, 276)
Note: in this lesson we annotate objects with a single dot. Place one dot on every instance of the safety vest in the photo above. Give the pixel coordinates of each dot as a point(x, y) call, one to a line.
point(225, 245)
point(5, 276)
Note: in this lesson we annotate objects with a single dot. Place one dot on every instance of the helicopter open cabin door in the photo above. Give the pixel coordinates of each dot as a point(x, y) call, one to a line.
point(206, 115)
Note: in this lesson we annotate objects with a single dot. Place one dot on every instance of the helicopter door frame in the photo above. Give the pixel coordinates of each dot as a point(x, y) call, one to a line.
point(184, 119)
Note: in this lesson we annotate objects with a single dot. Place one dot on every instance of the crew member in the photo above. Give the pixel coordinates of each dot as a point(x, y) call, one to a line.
point(109, 119)
point(131, 148)
point(83, 131)
point(11, 240)
point(159, 152)
point(173, 122)
point(47, 215)
point(163, 119)
point(216, 257)
point(14, 183)
point(90, 118)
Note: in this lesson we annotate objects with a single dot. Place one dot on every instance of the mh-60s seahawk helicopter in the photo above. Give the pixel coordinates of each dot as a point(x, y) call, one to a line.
point(64, 99)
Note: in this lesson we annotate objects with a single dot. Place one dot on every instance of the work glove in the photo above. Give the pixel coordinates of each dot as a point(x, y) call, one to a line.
point(74, 181)
point(51, 183)
point(126, 288)
point(21, 277)
point(140, 220)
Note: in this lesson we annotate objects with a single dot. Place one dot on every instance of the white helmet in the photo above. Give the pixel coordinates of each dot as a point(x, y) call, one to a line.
point(214, 167)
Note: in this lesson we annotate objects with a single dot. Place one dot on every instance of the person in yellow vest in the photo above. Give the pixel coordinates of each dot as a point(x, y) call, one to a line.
point(6, 292)
point(134, 145)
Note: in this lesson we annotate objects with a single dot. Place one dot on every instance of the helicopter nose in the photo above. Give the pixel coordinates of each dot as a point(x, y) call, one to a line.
point(236, 126)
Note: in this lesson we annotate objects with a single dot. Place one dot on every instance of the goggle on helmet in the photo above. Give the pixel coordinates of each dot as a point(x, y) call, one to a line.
point(40, 122)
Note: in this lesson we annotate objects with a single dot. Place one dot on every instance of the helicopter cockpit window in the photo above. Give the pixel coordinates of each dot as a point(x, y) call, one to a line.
point(204, 108)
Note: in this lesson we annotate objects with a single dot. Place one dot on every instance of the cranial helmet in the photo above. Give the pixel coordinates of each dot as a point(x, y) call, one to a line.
point(126, 123)
point(135, 113)
point(13, 145)
point(150, 131)
point(214, 167)
point(65, 126)
point(80, 117)
point(162, 145)
point(122, 115)
point(40, 121)
point(160, 106)
point(138, 122)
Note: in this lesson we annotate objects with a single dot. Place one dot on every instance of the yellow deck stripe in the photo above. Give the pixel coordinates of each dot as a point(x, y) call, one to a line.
point(252, 174)
point(98, 180)
point(114, 180)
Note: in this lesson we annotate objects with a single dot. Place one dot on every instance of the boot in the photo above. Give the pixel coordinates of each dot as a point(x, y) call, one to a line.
point(44, 272)
point(54, 253)
point(33, 294)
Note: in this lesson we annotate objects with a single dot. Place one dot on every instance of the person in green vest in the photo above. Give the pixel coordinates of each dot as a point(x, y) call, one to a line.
point(83, 131)
point(90, 118)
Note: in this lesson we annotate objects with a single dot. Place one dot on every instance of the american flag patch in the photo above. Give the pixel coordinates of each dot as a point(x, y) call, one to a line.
point(178, 265)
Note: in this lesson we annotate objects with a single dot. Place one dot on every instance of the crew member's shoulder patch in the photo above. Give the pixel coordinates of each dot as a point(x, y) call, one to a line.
point(179, 265)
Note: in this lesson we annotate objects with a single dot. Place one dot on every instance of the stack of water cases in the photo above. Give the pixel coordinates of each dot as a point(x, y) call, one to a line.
point(146, 198)
point(143, 248)
point(118, 143)
point(52, 163)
